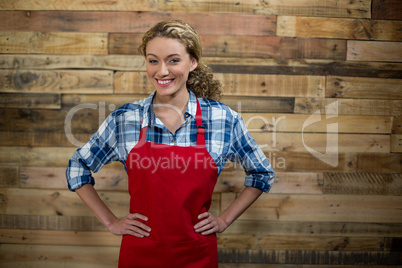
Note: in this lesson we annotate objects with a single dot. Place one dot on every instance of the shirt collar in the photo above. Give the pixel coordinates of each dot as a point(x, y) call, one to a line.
point(149, 116)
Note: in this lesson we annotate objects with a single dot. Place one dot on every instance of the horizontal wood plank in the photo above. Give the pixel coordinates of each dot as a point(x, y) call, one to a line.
point(50, 237)
point(51, 222)
point(367, 88)
point(9, 176)
point(374, 51)
point(364, 29)
point(273, 47)
point(304, 142)
point(324, 208)
point(246, 104)
point(277, 85)
point(123, 5)
point(305, 162)
point(246, 46)
point(341, 162)
point(306, 8)
point(313, 258)
point(85, 118)
point(35, 156)
point(245, 241)
point(58, 256)
point(134, 22)
point(396, 143)
point(55, 178)
point(262, 228)
point(36, 101)
point(349, 106)
point(250, 265)
point(285, 182)
point(54, 43)
point(46, 139)
point(397, 125)
point(315, 69)
point(309, 228)
point(108, 102)
point(379, 163)
point(386, 10)
point(237, 84)
point(362, 183)
point(278, 122)
point(51, 62)
point(63, 81)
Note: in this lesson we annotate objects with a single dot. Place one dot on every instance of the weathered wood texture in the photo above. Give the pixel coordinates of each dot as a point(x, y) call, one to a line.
point(318, 84)
point(365, 51)
point(342, 8)
point(386, 10)
point(125, 22)
point(53, 43)
point(364, 29)
point(365, 88)
point(69, 81)
point(141, 5)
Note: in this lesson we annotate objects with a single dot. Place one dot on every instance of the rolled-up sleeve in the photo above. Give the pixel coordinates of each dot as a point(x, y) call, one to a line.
point(92, 156)
point(245, 150)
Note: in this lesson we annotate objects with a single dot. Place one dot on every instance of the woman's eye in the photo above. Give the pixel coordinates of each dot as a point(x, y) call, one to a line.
point(153, 61)
point(175, 61)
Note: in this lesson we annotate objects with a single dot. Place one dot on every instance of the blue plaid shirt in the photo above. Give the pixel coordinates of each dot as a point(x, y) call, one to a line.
point(226, 138)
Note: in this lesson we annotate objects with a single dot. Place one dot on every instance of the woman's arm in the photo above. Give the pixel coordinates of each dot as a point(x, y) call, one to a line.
point(212, 224)
point(128, 225)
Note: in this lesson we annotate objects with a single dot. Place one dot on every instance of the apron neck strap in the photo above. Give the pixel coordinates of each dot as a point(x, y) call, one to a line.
point(200, 127)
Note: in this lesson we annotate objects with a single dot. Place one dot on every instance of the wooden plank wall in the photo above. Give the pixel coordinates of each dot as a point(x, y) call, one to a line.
point(301, 73)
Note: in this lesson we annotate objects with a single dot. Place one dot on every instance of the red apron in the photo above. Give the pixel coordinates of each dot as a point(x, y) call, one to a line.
point(171, 185)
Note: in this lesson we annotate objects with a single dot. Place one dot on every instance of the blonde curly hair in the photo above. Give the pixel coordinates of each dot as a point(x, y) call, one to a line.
point(201, 81)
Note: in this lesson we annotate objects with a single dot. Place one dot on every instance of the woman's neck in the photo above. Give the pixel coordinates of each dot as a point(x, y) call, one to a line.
point(178, 101)
point(170, 110)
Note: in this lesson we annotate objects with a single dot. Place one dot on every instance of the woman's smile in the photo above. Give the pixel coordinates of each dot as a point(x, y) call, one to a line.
point(164, 82)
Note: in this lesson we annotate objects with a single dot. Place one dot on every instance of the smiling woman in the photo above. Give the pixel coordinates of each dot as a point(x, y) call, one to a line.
point(201, 80)
point(173, 145)
point(168, 67)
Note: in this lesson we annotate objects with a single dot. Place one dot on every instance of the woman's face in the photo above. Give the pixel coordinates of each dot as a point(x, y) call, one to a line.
point(168, 66)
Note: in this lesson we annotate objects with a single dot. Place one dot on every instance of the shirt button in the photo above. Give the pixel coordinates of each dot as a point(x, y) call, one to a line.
point(187, 115)
point(172, 141)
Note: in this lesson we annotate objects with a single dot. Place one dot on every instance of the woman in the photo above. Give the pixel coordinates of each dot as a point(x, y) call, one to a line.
point(173, 146)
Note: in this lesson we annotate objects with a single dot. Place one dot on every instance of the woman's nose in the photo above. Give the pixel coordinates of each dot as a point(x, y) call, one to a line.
point(163, 70)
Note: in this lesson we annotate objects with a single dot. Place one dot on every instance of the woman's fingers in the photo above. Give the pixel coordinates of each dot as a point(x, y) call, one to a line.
point(207, 226)
point(132, 224)
point(136, 227)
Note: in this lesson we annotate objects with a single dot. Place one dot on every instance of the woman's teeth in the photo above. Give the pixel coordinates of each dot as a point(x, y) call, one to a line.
point(164, 82)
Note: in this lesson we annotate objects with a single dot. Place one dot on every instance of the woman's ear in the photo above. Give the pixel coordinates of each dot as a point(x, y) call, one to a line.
point(194, 64)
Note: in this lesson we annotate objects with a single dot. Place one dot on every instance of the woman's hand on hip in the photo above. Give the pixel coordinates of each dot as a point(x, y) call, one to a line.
point(209, 224)
point(130, 225)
